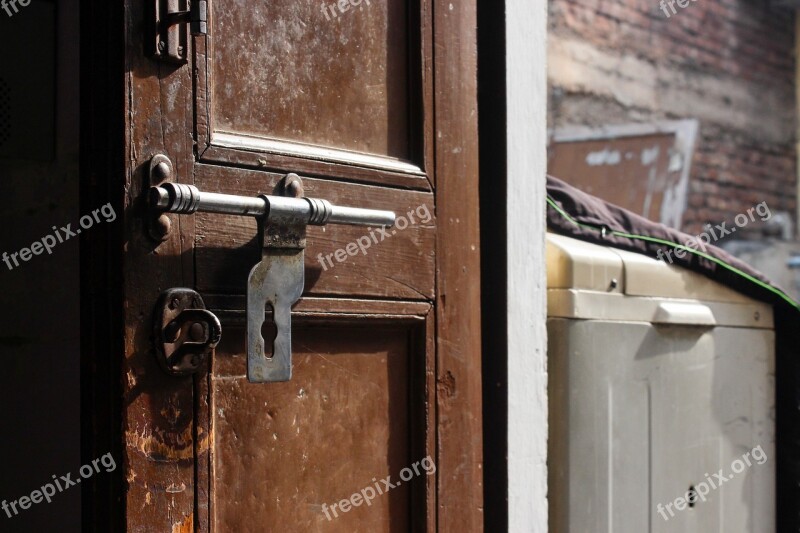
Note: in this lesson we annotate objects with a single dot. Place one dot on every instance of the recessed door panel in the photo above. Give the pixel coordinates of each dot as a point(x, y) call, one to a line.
point(336, 82)
point(342, 424)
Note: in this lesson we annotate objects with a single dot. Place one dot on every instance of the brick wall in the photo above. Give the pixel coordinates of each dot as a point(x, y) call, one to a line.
point(727, 63)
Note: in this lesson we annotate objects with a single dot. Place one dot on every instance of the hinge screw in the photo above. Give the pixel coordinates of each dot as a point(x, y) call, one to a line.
point(161, 46)
point(180, 50)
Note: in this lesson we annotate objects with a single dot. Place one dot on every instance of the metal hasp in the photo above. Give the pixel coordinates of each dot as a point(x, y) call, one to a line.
point(277, 280)
point(184, 331)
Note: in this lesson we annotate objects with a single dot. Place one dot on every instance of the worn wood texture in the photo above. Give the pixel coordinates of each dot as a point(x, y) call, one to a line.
point(345, 98)
point(305, 84)
point(397, 394)
point(319, 438)
point(158, 417)
point(363, 380)
point(632, 172)
point(399, 265)
point(458, 340)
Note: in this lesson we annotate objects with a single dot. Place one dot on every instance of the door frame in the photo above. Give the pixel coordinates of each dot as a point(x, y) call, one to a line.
point(513, 110)
point(110, 172)
point(526, 134)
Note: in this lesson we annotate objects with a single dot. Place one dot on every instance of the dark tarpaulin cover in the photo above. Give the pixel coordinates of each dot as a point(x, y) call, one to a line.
point(593, 214)
point(576, 214)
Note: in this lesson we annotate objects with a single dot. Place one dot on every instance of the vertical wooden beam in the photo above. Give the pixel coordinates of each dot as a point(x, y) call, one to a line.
point(459, 403)
point(158, 415)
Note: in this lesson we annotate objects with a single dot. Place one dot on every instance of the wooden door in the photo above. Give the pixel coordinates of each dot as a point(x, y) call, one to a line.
point(374, 104)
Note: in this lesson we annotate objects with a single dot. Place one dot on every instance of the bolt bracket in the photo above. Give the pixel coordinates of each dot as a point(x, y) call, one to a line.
point(184, 331)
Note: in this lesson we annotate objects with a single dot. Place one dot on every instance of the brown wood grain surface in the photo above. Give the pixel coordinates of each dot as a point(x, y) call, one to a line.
point(345, 98)
point(158, 418)
point(399, 265)
point(458, 336)
point(364, 378)
point(301, 77)
point(386, 341)
point(326, 432)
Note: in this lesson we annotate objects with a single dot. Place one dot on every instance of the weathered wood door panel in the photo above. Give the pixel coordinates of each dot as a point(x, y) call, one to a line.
point(342, 82)
point(350, 96)
point(307, 87)
point(353, 412)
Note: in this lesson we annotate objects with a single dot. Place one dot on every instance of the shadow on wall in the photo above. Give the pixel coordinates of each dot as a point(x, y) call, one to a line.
point(39, 325)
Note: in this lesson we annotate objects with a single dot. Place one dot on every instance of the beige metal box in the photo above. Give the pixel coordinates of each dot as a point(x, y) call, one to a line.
point(662, 397)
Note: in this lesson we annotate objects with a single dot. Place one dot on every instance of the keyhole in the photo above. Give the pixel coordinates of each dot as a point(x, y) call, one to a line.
point(269, 331)
point(691, 496)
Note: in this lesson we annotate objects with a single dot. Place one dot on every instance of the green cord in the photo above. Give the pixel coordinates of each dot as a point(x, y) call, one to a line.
point(704, 255)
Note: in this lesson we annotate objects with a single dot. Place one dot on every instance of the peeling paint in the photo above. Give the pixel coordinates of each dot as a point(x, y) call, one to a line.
point(185, 526)
point(603, 157)
point(163, 446)
point(173, 489)
point(650, 155)
point(171, 412)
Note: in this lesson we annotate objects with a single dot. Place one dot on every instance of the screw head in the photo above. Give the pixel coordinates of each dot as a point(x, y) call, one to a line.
point(160, 228)
point(161, 46)
point(293, 186)
point(161, 172)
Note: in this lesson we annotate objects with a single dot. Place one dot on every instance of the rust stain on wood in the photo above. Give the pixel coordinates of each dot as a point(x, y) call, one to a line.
point(162, 446)
point(185, 526)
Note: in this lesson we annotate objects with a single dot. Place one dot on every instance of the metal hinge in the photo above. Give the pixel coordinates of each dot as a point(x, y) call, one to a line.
point(171, 18)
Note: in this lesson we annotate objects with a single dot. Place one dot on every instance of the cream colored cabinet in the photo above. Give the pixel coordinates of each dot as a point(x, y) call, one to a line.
point(662, 398)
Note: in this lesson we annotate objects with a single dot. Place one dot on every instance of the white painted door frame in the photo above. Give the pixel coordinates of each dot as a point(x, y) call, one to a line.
point(526, 96)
